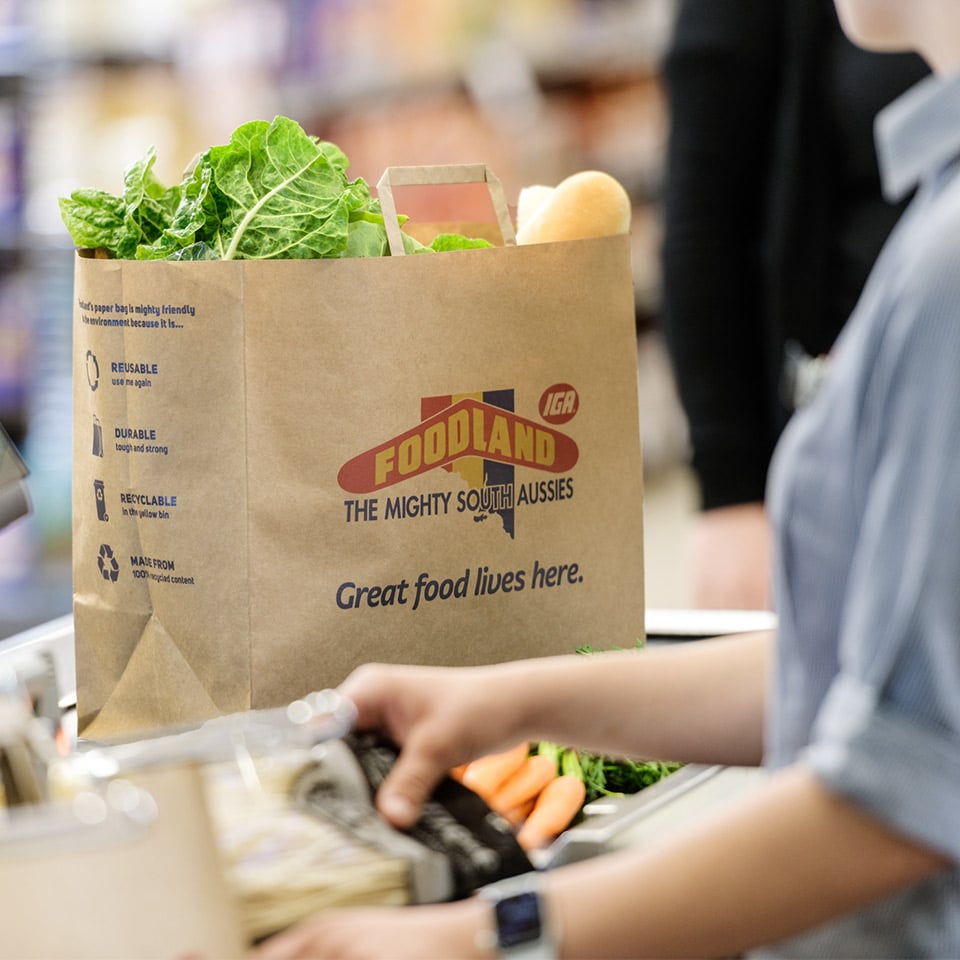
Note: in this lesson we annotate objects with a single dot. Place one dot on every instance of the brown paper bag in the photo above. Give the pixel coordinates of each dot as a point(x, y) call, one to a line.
point(283, 469)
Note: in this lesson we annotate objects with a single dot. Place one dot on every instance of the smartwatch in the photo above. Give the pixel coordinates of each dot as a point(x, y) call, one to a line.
point(521, 927)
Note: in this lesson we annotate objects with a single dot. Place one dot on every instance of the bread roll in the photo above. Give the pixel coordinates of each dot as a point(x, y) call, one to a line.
point(587, 204)
point(529, 201)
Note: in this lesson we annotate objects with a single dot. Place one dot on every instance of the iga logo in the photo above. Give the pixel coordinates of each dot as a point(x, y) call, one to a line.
point(559, 403)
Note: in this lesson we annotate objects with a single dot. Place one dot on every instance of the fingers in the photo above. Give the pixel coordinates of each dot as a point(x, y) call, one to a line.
point(431, 715)
point(417, 771)
point(367, 688)
point(398, 702)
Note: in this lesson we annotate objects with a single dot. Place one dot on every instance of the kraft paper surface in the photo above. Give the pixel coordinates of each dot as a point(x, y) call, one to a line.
point(285, 469)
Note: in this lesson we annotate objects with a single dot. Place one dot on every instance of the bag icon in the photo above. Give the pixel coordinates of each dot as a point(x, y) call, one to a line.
point(97, 438)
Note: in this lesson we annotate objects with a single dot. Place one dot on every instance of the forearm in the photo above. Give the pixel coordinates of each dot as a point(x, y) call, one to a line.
point(695, 702)
point(786, 859)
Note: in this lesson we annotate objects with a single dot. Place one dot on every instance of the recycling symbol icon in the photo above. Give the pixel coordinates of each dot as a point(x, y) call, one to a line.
point(109, 568)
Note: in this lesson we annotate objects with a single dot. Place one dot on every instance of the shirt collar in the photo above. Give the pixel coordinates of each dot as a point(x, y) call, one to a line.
point(918, 133)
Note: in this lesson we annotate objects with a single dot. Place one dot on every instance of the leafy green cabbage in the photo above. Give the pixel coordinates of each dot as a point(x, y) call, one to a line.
point(272, 192)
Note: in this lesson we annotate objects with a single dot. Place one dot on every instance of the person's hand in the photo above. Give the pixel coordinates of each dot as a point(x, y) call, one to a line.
point(435, 931)
point(440, 717)
point(730, 558)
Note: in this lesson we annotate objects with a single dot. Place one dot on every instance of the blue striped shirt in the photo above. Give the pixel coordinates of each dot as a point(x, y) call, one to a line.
point(864, 495)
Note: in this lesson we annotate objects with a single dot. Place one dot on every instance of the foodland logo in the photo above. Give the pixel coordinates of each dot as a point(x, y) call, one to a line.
point(468, 425)
point(479, 436)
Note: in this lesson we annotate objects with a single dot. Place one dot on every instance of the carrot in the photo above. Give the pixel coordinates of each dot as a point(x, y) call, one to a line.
point(559, 802)
point(485, 774)
point(516, 815)
point(456, 773)
point(535, 773)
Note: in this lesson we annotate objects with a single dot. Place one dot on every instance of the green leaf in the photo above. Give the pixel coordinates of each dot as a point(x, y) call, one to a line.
point(194, 220)
point(272, 192)
point(413, 245)
point(630, 776)
point(593, 775)
point(149, 205)
point(95, 220)
point(365, 239)
point(335, 157)
point(443, 242)
point(286, 199)
point(196, 251)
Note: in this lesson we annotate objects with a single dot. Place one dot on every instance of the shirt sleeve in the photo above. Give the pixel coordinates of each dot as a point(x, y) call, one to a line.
point(888, 733)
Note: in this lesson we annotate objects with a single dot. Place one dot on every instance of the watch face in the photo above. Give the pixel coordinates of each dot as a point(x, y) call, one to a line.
point(518, 920)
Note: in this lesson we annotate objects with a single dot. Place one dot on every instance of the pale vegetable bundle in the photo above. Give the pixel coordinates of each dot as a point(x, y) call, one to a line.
point(283, 863)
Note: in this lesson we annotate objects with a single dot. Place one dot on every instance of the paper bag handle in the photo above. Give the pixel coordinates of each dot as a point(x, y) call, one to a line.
point(418, 176)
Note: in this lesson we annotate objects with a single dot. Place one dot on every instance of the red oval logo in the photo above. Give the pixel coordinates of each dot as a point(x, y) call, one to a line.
point(559, 403)
point(467, 428)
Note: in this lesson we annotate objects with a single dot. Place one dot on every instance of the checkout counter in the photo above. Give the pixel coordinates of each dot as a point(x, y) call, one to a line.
point(42, 660)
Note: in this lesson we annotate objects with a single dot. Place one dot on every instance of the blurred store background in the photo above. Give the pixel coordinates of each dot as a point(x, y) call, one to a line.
point(537, 89)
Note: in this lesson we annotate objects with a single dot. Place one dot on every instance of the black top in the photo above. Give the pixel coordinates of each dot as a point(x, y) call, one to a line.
point(773, 213)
